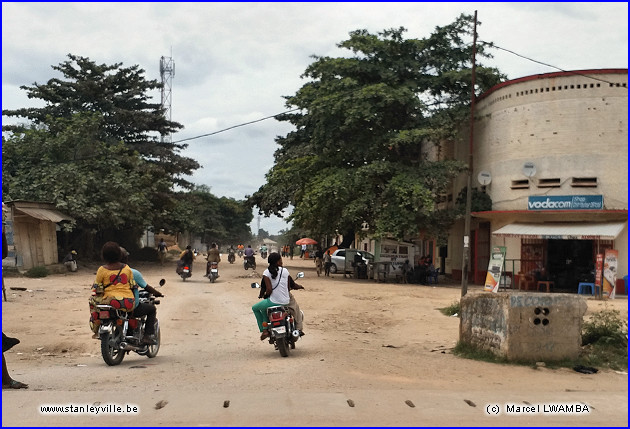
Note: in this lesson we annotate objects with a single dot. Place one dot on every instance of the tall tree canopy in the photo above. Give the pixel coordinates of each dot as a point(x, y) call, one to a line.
point(364, 125)
point(121, 96)
point(93, 150)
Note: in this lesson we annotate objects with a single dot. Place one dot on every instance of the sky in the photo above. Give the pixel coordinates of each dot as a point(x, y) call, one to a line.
point(234, 62)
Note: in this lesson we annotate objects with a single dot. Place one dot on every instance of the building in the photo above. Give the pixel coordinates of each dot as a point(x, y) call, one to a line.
point(551, 151)
point(31, 230)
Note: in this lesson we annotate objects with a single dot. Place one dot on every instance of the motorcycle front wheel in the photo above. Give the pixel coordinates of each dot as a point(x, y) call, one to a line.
point(283, 346)
point(111, 355)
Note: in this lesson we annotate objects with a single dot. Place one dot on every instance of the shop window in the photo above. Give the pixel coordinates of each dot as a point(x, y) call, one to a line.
point(586, 182)
point(520, 184)
point(549, 183)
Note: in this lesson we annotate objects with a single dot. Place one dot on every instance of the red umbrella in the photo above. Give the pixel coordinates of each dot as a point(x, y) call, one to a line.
point(305, 241)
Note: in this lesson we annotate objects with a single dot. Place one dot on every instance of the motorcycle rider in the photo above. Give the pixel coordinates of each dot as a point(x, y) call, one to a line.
point(249, 254)
point(231, 254)
point(145, 308)
point(186, 258)
point(276, 281)
point(213, 256)
point(114, 282)
point(263, 250)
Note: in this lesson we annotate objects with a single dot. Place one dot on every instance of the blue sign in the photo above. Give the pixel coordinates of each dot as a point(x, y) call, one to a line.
point(566, 202)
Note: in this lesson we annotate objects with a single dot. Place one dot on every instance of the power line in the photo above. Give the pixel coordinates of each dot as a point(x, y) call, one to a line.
point(492, 45)
point(488, 44)
point(236, 126)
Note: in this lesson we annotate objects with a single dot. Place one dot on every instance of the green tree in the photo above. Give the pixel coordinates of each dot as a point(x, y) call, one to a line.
point(363, 130)
point(121, 96)
point(93, 149)
point(104, 187)
point(221, 220)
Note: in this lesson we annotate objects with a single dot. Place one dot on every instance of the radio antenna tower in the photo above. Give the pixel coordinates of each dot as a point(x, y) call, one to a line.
point(167, 71)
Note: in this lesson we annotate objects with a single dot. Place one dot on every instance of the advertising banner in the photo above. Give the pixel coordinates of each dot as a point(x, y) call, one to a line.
point(495, 267)
point(599, 270)
point(610, 273)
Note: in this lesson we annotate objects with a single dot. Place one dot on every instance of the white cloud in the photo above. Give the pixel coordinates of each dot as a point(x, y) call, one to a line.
point(235, 61)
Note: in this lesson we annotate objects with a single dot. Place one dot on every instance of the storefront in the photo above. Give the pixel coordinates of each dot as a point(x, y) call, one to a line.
point(564, 252)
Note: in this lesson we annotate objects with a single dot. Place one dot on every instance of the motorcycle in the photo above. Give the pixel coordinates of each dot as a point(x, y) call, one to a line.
point(240, 253)
point(184, 270)
point(121, 333)
point(263, 254)
point(282, 329)
point(249, 262)
point(231, 257)
point(213, 271)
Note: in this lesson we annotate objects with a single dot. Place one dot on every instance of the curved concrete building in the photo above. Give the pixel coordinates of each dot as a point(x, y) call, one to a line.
point(552, 150)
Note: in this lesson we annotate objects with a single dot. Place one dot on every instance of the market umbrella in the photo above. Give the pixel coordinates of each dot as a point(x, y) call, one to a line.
point(305, 241)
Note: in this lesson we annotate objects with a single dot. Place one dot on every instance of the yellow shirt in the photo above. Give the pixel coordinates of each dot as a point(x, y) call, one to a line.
point(115, 288)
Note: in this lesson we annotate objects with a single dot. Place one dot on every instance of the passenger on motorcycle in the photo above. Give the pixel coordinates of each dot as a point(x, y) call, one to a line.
point(186, 258)
point(213, 256)
point(144, 308)
point(276, 281)
point(114, 282)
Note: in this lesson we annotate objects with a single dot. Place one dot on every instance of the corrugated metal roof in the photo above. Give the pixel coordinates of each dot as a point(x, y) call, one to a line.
point(557, 230)
point(44, 214)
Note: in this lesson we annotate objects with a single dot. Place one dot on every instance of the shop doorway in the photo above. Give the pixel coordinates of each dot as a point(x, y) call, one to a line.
point(570, 262)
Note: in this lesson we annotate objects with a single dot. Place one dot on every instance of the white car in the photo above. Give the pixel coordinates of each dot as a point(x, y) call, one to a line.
point(338, 260)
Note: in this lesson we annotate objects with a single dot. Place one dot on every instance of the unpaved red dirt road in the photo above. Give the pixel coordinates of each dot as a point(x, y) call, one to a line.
point(374, 355)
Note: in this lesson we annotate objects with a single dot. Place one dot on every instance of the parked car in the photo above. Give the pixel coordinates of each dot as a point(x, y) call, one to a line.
point(338, 260)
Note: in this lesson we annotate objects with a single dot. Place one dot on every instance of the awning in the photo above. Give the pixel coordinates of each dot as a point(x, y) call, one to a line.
point(44, 214)
point(563, 231)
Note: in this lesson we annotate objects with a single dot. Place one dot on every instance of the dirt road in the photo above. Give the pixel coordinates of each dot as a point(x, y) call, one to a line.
point(374, 354)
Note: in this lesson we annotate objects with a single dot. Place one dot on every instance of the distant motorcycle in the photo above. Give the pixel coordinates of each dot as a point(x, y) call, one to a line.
point(121, 333)
point(249, 262)
point(263, 254)
point(184, 270)
point(213, 271)
point(231, 257)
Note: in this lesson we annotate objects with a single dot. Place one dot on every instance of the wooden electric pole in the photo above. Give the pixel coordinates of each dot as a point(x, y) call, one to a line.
point(467, 243)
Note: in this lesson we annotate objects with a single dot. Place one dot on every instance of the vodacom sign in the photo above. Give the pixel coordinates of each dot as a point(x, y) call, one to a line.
point(566, 202)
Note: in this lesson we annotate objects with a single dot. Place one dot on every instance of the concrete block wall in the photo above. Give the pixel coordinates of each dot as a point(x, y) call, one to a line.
point(524, 326)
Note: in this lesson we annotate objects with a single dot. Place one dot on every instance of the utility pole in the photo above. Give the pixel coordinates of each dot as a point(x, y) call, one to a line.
point(466, 256)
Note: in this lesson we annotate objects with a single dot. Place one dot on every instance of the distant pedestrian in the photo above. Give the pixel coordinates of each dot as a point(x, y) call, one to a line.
point(162, 249)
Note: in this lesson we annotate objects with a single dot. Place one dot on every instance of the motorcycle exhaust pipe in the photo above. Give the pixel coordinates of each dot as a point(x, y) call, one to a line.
point(295, 334)
point(127, 347)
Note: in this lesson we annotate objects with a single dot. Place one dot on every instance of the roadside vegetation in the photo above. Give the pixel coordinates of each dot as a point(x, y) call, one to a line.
point(604, 344)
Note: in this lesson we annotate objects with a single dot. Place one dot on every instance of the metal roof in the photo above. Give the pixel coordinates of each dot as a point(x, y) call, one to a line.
point(44, 214)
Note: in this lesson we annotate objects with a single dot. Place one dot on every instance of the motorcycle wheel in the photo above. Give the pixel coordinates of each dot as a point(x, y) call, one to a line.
point(152, 351)
point(283, 347)
point(111, 355)
point(212, 278)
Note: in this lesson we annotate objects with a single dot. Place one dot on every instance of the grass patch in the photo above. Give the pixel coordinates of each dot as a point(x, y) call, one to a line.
point(37, 272)
point(451, 310)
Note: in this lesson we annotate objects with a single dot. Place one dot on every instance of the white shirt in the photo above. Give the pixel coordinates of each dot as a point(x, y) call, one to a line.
point(280, 286)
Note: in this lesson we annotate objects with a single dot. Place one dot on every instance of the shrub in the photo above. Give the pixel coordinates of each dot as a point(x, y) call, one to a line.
point(37, 272)
point(605, 328)
point(451, 310)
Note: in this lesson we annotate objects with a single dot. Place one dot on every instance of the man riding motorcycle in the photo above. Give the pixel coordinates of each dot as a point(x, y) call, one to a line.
point(213, 256)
